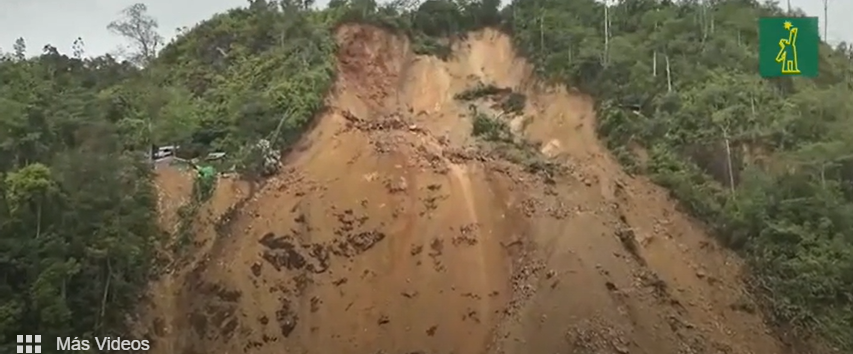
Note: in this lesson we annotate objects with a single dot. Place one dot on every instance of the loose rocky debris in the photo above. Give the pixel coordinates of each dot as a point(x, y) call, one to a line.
point(391, 122)
point(286, 252)
point(286, 317)
point(597, 336)
point(218, 317)
point(468, 235)
point(340, 295)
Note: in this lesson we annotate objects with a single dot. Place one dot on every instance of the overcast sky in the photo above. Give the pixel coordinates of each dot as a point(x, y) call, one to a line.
point(60, 22)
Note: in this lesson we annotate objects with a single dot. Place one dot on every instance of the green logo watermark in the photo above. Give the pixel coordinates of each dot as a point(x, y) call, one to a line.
point(788, 46)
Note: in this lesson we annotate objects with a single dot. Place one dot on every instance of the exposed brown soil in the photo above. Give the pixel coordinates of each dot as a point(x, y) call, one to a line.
point(392, 230)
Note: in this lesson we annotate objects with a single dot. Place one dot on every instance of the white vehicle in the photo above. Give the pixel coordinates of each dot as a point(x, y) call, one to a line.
point(165, 151)
point(215, 156)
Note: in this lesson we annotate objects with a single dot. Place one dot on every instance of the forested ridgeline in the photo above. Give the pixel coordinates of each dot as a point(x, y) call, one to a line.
point(763, 162)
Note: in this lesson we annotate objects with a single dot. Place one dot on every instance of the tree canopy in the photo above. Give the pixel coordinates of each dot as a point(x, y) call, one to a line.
point(764, 162)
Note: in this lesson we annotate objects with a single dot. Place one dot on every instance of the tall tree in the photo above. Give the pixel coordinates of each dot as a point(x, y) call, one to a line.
point(78, 48)
point(20, 48)
point(137, 26)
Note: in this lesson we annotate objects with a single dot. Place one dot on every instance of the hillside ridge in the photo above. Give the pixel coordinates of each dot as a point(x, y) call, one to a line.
point(392, 228)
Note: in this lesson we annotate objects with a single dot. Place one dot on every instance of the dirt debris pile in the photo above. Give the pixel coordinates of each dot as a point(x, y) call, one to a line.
point(393, 230)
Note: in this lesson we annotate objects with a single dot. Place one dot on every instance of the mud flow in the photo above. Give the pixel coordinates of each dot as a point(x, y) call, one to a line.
point(393, 230)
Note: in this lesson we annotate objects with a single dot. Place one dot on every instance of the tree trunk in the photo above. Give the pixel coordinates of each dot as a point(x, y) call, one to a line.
point(606, 33)
point(106, 290)
point(38, 220)
point(712, 22)
point(752, 105)
point(703, 25)
point(541, 31)
point(655, 64)
point(825, 20)
point(729, 161)
point(668, 75)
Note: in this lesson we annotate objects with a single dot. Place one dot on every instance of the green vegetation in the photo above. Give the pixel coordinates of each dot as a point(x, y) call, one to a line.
point(509, 101)
point(764, 162)
point(491, 128)
point(514, 103)
point(480, 91)
point(507, 145)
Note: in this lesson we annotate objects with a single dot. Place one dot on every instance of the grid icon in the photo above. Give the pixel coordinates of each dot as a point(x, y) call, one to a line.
point(29, 344)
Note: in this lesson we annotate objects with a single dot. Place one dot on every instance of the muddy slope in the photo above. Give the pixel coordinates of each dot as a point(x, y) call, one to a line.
point(390, 231)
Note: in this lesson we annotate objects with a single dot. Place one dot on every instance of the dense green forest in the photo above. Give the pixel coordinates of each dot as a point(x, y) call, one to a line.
point(766, 163)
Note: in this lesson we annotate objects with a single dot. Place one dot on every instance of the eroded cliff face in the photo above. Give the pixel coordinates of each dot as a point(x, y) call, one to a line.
point(392, 230)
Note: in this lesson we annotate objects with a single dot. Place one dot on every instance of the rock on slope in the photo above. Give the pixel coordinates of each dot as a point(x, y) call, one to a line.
point(385, 234)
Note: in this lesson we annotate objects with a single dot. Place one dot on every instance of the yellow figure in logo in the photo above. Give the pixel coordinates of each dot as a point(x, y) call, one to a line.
point(788, 51)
